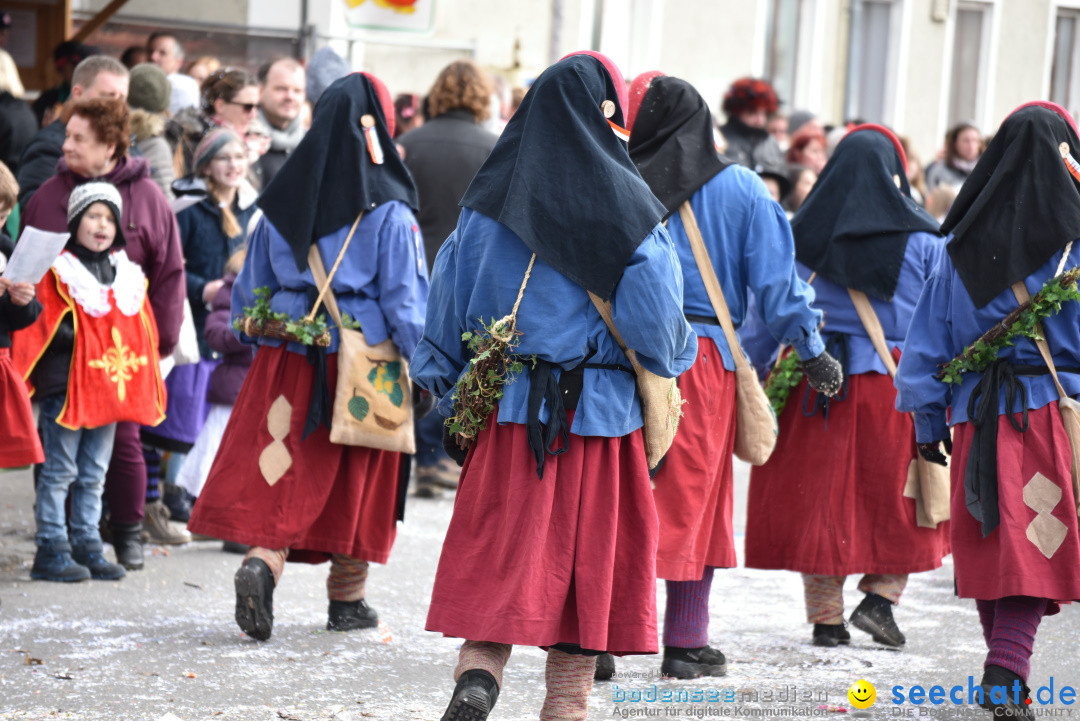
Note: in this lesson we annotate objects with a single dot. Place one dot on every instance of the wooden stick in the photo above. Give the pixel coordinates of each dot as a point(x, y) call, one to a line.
point(276, 329)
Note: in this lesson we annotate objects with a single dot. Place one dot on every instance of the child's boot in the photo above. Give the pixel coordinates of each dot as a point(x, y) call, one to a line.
point(53, 562)
point(92, 556)
point(127, 542)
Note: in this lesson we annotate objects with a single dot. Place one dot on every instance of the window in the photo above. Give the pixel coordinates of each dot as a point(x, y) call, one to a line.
point(968, 74)
point(782, 47)
point(872, 60)
point(1065, 70)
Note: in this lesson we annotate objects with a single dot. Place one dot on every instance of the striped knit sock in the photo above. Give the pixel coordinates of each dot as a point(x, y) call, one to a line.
point(1016, 619)
point(274, 559)
point(347, 580)
point(153, 473)
point(490, 657)
point(885, 585)
point(686, 616)
point(986, 618)
point(569, 681)
point(824, 599)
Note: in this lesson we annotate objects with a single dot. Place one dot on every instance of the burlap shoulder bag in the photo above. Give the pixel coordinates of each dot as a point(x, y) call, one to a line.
point(755, 422)
point(661, 401)
point(373, 398)
point(928, 483)
point(1069, 408)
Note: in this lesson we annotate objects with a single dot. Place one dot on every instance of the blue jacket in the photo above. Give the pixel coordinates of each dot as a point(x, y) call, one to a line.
point(749, 242)
point(477, 274)
point(946, 320)
point(382, 281)
point(206, 250)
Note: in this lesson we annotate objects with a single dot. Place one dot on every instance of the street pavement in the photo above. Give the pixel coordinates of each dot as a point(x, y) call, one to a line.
point(162, 644)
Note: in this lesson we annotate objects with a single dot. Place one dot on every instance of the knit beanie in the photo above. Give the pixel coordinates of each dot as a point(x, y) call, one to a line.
point(211, 145)
point(85, 195)
point(149, 89)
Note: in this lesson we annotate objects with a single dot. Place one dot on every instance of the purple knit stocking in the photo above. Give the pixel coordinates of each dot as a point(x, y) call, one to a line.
point(1015, 620)
point(686, 617)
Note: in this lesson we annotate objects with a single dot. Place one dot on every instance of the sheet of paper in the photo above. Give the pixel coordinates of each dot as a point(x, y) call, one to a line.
point(34, 253)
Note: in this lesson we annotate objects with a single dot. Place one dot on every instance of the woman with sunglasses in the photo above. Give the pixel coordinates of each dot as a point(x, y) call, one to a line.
point(229, 99)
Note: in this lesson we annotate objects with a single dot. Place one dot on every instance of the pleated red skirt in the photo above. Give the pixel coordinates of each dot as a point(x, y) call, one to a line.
point(694, 488)
point(566, 559)
point(311, 496)
point(831, 500)
point(1035, 550)
point(20, 444)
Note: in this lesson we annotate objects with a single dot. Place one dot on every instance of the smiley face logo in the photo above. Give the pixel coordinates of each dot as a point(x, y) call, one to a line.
point(862, 694)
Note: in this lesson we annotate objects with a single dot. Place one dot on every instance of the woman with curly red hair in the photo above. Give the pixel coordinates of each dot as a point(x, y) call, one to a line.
point(748, 103)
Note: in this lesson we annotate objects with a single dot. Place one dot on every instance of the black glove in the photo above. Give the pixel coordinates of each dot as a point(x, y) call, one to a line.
point(451, 447)
point(824, 374)
point(422, 402)
point(932, 453)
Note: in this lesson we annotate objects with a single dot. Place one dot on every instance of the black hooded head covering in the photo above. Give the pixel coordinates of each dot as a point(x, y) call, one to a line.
point(672, 141)
point(853, 228)
point(562, 180)
point(1019, 206)
point(331, 177)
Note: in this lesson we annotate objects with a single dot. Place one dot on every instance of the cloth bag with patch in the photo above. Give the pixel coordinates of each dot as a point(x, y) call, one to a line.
point(756, 427)
point(373, 398)
point(1069, 408)
point(928, 483)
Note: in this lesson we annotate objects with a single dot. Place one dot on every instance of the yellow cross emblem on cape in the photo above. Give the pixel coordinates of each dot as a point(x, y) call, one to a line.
point(119, 363)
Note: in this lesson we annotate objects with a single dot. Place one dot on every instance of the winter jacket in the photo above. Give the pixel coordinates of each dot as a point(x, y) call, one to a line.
point(38, 161)
point(206, 249)
point(18, 126)
point(148, 130)
point(751, 147)
point(14, 317)
point(227, 378)
point(153, 240)
point(443, 155)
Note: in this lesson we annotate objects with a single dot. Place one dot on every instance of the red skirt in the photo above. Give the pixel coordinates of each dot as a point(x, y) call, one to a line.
point(566, 559)
point(694, 488)
point(831, 500)
point(1029, 553)
point(21, 445)
point(311, 496)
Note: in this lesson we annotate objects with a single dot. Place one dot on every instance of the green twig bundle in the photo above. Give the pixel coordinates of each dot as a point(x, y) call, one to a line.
point(1024, 322)
point(784, 377)
point(260, 320)
point(480, 388)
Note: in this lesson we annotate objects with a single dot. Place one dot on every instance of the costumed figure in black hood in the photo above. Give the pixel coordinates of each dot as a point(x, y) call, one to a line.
point(1013, 227)
point(831, 501)
point(750, 249)
point(553, 536)
point(278, 483)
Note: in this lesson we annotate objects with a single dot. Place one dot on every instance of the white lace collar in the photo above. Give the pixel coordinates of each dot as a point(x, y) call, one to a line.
point(128, 287)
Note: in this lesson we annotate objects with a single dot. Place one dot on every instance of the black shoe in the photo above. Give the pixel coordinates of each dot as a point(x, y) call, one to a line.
point(999, 676)
point(474, 697)
point(178, 501)
point(874, 615)
point(53, 562)
point(255, 599)
point(605, 667)
point(351, 615)
point(91, 555)
point(693, 662)
point(235, 547)
point(127, 542)
point(829, 635)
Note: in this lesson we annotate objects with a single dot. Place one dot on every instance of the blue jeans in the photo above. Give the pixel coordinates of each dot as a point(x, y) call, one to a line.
point(429, 450)
point(73, 459)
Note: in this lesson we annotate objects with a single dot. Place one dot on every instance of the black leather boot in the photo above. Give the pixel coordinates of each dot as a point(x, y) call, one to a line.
point(474, 697)
point(874, 615)
point(351, 615)
point(127, 541)
point(254, 584)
